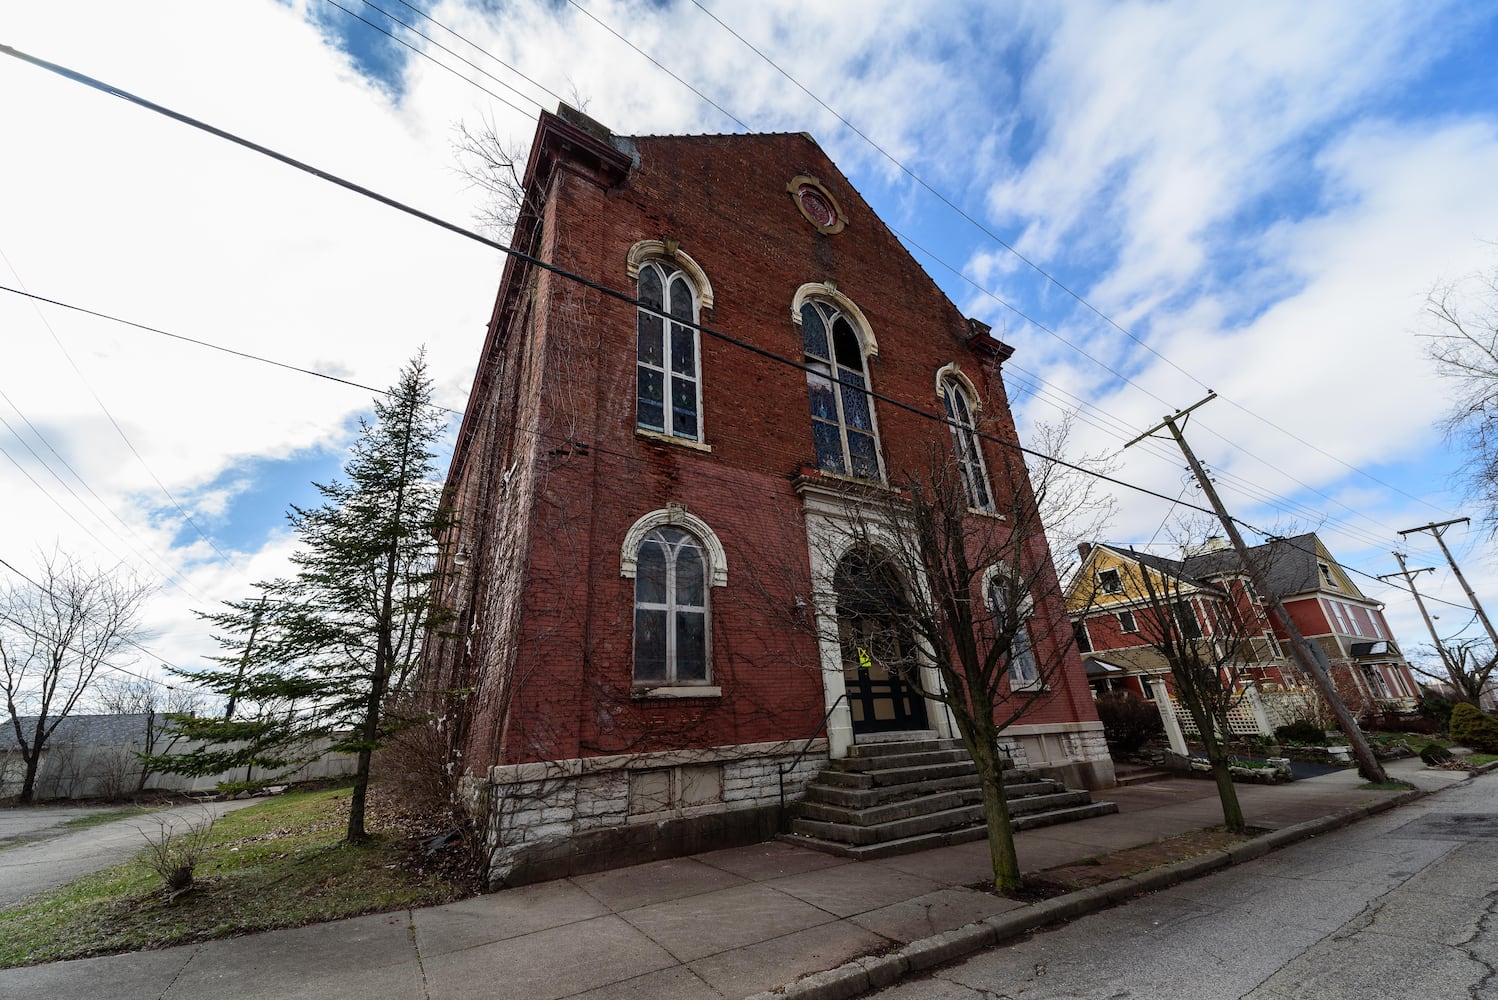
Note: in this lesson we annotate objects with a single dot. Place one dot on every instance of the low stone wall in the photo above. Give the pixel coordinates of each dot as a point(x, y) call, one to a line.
point(1075, 753)
point(557, 818)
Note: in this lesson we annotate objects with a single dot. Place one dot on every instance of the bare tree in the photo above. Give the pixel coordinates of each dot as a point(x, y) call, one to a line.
point(156, 701)
point(954, 594)
point(1074, 503)
point(1463, 343)
point(495, 165)
point(56, 634)
point(1207, 634)
point(1469, 666)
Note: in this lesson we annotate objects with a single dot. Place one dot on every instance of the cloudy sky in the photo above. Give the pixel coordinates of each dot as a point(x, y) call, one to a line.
point(1255, 199)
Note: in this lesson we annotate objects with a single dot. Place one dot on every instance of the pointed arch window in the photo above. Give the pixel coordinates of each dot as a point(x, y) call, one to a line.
point(842, 412)
point(668, 383)
point(960, 407)
point(671, 608)
point(1011, 609)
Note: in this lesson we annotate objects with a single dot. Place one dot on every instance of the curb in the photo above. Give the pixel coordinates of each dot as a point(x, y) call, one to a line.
point(875, 972)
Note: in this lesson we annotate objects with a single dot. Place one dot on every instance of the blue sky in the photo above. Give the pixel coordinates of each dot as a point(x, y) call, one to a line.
point(1261, 195)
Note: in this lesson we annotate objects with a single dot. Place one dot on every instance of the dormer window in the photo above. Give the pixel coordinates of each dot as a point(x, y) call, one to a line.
point(1327, 577)
point(1108, 582)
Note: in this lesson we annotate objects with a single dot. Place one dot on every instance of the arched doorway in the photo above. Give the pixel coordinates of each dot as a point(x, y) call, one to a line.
point(878, 649)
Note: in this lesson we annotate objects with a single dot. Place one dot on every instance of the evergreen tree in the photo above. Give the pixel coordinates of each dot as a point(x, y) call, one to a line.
point(317, 655)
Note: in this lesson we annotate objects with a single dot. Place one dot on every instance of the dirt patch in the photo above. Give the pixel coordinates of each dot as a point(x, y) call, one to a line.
point(1120, 864)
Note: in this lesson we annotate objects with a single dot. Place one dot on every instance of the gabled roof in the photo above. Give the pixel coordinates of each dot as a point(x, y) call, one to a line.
point(84, 731)
point(1287, 566)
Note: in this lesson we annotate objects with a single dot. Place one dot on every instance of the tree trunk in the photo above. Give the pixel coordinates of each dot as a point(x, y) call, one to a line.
point(1001, 852)
point(28, 785)
point(1232, 812)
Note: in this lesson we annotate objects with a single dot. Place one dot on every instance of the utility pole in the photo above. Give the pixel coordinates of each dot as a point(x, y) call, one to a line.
point(1308, 656)
point(1409, 580)
point(1438, 530)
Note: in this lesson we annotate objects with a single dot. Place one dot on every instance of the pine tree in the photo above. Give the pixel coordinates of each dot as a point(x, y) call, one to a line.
point(319, 654)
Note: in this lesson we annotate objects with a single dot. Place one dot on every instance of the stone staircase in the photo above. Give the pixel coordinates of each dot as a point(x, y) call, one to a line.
point(912, 791)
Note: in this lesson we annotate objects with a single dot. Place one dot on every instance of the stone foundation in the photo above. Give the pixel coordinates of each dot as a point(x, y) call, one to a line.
point(557, 818)
point(1072, 752)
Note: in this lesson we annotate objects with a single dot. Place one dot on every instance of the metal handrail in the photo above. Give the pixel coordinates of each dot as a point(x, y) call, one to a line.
point(785, 769)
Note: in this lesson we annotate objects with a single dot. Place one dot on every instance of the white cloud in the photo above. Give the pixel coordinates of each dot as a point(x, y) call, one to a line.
point(1237, 185)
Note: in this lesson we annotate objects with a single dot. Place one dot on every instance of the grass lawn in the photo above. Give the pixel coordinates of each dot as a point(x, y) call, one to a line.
point(94, 819)
point(280, 863)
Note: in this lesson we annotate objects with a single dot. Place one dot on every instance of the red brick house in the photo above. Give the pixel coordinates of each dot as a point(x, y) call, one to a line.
point(1107, 602)
point(636, 501)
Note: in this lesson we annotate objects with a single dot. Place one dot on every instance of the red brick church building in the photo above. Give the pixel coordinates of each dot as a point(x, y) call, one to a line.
point(642, 507)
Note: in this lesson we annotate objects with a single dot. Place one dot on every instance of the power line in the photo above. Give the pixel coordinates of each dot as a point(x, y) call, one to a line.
point(208, 344)
point(1046, 275)
point(596, 286)
point(478, 48)
point(40, 635)
point(116, 424)
point(658, 65)
point(391, 35)
point(1261, 496)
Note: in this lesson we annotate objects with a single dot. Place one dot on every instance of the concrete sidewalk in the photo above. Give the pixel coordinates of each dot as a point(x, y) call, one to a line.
point(724, 924)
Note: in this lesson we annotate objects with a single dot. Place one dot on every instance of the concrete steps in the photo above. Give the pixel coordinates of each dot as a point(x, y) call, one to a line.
point(899, 795)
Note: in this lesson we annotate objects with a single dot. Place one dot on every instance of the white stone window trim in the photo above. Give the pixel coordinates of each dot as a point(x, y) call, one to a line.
point(668, 252)
point(640, 692)
point(680, 442)
point(827, 292)
point(667, 263)
point(677, 517)
point(952, 374)
point(1027, 609)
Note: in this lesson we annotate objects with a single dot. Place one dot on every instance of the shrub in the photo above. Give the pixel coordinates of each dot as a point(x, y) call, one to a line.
point(174, 852)
point(1473, 728)
point(1436, 708)
point(1128, 721)
point(1301, 732)
point(1434, 754)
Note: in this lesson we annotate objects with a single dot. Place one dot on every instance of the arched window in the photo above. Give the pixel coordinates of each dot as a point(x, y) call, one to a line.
point(960, 408)
point(842, 413)
point(671, 615)
point(668, 386)
point(1011, 610)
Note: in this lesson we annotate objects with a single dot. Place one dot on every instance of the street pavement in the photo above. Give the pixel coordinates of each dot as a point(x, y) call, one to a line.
point(1403, 905)
point(47, 854)
point(722, 924)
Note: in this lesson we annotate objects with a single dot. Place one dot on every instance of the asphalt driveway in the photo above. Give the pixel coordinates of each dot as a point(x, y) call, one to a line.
point(47, 854)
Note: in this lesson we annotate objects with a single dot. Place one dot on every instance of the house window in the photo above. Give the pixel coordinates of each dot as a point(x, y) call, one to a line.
point(1011, 616)
point(1375, 678)
point(671, 616)
point(960, 406)
point(1186, 618)
point(1147, 687)
point(1326, 576)
point(668, 387)
point(1126, 622)
point(842, 413)
point(1084, 641)
point(1108, 582)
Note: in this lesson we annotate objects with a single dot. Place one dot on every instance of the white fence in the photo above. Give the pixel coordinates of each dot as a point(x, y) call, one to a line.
point(1258, 713)
point(71, 771)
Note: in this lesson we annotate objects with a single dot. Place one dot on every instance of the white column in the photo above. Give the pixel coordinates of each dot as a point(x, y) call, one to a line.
point(834, 683)
point(1255, 705)
point(1172, 726)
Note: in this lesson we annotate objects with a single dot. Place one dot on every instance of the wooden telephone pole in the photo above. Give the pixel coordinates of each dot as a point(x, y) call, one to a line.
point(1308, 656)
point(1408, 575)
point(1438, 530)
